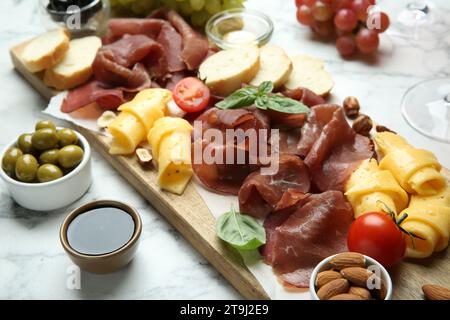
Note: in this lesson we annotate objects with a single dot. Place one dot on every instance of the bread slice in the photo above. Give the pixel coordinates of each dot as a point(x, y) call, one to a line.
point(225, 71)
point(275, 66)
point(309, 72)
point(45, 50)
point(76, 66)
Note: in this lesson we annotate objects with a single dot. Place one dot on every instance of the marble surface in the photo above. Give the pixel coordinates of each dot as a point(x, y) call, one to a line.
point(32, 262)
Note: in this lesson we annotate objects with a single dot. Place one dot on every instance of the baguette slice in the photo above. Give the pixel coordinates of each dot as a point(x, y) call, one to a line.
point(225, 71)
point(45, 50)
point(275, 66)
point(76, 66)
point(309, 72)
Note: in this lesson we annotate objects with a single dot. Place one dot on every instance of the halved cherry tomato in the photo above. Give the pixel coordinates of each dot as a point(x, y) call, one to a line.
point(191, 94)
point(377, 235)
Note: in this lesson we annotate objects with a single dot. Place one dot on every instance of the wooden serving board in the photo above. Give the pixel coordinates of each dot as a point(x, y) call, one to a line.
point(192, 218)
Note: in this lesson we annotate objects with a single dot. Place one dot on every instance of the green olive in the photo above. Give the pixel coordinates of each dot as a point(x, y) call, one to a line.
point(9, 160)
point(70, 156)
point(66, 137)
point(49, 156)
point(24, 143)
point(26, 167)
point(45, 124)
point(48, 172)
point(44, 139)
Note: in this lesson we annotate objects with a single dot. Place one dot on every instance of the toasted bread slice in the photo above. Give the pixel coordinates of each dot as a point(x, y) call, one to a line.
point(45, 50)
point(225, 71)
point(76, 66)
point(275, 66)
point(309, 72)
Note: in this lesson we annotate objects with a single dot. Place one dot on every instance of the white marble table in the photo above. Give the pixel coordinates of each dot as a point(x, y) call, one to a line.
point(32, 262)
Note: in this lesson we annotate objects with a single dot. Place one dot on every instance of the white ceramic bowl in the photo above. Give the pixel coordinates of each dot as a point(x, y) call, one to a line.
point(54, 194)
point(325, 265)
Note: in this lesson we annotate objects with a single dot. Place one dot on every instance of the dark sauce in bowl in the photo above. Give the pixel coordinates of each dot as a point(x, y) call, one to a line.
point(100, 230)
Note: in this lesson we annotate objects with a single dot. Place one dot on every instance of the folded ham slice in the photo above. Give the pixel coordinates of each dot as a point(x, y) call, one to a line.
point(260, 194)
point(297, 242)
point(333, 150)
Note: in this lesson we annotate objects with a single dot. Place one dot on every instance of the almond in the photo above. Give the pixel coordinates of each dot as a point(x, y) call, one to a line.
point(347, 259)
point(333, 288)
point(435, 292)
point(362, 292)
point(380, 293)
point(357, 276)
point(326, 276)
point(346, 296)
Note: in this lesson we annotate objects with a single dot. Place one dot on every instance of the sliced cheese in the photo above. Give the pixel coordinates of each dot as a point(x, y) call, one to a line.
point(416, 170)
point(174, 162)
point(225, 71)
point(76, 66)
point(309, 72)
point(371, 189)
point(46, 50)
point(275, 66)
point(127, 132)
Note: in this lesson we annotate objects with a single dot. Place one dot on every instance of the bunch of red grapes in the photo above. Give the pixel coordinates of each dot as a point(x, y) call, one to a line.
point(351, 22)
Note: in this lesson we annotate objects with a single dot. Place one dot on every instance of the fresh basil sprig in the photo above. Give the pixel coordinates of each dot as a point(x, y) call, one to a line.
point(240, 231)
point(262, 98)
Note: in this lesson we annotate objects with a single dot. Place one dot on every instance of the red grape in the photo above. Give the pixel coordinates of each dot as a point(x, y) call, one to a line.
point(346, 45)
point(378, 21)
point(304, 15)
point(360, 8)
point(309, 3)
point(367, 40)
point(298, 3)
point(322, 11)
point(345, 20)
point(323, 28)
point(341, 4)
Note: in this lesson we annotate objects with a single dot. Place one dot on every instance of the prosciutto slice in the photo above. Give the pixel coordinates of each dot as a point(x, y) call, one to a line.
point(304, 95)
point(261, 193)
point(122, 26)
point(333, 148)
point(195, 46)
point(298, 241)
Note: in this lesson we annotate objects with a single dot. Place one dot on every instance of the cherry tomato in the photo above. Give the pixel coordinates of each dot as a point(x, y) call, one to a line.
point(376, 235)
point(191, 94)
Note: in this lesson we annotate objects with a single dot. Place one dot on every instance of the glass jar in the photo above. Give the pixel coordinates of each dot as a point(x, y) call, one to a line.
point(80, 17)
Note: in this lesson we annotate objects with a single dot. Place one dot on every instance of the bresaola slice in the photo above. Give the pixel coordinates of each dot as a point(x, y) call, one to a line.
point(298, 241)
point(261, 193)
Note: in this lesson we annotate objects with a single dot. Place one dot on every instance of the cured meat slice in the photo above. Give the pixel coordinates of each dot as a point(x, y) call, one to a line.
point(172, 44)
point(195, 46)
point(247, 118)
point(261, 193)
point(299, 241)
point(336, 153)
point(122, 26)
point(305, 96)
point(92, 92)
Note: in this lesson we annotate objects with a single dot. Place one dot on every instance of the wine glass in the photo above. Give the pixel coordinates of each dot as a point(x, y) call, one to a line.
point(426, 108)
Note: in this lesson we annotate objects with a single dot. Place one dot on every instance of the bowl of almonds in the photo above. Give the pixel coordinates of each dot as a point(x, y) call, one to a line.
point(350, 276)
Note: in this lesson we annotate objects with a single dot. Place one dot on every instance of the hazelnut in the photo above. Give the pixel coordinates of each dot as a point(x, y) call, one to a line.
point(362, 125)
point(351, 107)
point(144, 157)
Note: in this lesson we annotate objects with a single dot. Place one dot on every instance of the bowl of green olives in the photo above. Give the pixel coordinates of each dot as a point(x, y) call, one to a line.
point(47, 169)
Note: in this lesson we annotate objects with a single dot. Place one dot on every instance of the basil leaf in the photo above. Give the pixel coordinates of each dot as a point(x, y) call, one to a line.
point(261, 102)
point(286, 105)
point(265, 87)
point(240, 98)
point(240, 231)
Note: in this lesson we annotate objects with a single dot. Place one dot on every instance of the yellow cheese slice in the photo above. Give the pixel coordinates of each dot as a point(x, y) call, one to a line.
point(148, 106)
point(416, 170)
point(371, 189)
point(163, 127)
point(174, 162)
point(428, 218)
point(127, 132)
